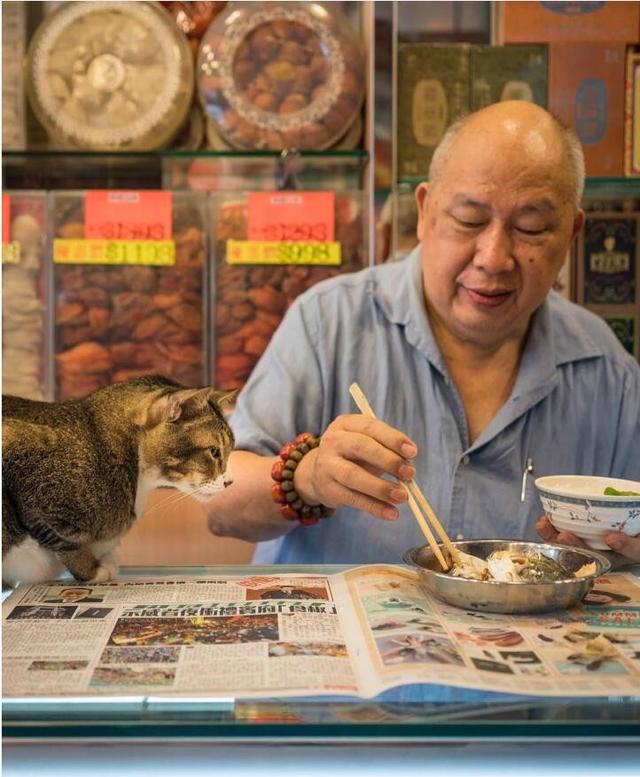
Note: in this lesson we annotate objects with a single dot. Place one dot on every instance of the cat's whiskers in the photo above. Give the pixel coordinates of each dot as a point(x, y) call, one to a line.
point(171, 500)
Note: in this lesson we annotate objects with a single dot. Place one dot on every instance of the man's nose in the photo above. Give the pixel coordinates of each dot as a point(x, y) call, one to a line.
point(494, 250)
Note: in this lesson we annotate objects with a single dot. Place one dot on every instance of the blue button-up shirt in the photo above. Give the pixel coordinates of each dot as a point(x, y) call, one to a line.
point(574, 409)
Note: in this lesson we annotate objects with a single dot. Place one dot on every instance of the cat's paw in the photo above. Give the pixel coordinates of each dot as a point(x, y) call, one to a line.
point(107, 569)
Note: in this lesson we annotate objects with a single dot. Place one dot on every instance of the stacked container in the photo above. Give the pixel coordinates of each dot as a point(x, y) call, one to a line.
point(114, 322)
point(24, 293)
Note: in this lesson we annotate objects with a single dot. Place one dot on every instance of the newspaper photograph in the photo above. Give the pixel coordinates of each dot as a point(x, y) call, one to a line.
point(356, 633)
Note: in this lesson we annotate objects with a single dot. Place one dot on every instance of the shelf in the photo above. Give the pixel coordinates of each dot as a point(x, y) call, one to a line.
point(183, 169)
point(615, 186)
point(355, 154)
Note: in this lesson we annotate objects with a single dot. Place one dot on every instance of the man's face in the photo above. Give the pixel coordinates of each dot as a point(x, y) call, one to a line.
point(73, 595)
point(495, 230)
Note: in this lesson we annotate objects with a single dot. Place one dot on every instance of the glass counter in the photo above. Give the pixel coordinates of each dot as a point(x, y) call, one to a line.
point(417, 714)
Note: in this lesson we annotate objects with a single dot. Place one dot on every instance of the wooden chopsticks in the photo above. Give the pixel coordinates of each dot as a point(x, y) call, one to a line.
point(417, 499)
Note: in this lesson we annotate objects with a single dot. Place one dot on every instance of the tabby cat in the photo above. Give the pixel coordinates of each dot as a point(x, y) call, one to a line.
point(76, 474)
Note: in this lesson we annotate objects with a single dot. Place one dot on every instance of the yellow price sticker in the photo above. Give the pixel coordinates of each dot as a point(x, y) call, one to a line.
point(11, 253)
point(287, 252)
point(160, 253)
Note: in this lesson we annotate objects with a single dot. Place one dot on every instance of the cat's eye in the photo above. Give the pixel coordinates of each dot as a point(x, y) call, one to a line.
point(215, 453)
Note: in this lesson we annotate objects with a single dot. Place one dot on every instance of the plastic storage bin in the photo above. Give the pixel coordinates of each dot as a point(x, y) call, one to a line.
point(113, 322)
point(24, 298)
point(252, 299)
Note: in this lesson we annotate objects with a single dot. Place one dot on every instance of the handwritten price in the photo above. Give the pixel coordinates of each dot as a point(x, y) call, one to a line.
point(291, 231)
point(117, 230)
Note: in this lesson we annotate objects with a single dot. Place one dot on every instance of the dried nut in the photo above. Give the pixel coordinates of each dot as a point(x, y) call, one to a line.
point(93, 296)
point(280, 72)
point(140, 278)
point(293, 52)
point(98, 321)
point(267, 298)
point(74, 230)
point(123, 353)
point(223, 314)
point(164, 301)
point(242, 311)
point(225, 346)
point(186, 316)
point(149, 326)
point(68, 312)
point(266, 101)
point(243, 72)
point(292, 103)
point(88, 357)
point(256, 345)
point(73, 335)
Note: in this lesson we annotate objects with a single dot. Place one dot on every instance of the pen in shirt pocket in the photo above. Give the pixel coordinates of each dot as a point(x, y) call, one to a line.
point(528, 470)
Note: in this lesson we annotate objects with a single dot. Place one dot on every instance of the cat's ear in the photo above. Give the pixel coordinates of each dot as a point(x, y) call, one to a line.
point(168, 408)
point(224, 398)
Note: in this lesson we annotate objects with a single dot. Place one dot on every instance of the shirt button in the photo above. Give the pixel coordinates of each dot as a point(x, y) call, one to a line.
point(465, 460)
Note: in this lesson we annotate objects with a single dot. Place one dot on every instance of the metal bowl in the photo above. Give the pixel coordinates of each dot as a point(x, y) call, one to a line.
point(493, 596)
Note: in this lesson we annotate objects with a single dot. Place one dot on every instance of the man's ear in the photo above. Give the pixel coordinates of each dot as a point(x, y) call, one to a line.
point(422, 196)
point(578, 223)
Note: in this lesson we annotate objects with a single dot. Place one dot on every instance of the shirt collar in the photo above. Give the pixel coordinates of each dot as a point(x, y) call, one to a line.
point(402, 301)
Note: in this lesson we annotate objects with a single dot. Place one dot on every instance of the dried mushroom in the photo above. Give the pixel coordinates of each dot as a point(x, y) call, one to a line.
point(110, 75)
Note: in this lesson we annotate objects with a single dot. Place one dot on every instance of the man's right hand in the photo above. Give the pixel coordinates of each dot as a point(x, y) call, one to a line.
point(346, 468)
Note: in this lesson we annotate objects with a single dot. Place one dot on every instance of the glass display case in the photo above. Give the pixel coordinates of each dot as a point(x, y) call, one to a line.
point(410, 714)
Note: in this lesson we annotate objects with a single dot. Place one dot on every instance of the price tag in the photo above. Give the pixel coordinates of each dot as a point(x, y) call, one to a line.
point(270, 252)
point(6, 218)
point(10, 250)
point(305, 217)
point(128, 215)
point(159, 253)
point(11, 253)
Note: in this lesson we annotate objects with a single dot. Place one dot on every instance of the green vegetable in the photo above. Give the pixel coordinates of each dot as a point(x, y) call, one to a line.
point(611, 491)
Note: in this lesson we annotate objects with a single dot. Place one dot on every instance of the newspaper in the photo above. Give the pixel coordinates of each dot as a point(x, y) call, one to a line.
point(356, 633)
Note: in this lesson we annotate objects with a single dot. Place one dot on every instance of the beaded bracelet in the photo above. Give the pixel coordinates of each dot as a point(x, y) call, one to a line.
point(292, 507)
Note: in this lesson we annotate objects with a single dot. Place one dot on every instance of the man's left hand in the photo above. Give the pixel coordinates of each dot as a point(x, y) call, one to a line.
point(625, 548)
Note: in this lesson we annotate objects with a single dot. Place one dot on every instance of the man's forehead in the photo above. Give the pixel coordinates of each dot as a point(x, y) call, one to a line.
point(541, 204)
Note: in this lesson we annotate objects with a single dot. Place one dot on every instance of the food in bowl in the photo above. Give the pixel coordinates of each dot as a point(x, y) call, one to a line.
point(511, 566)
point(489, 595)
point(589, 506)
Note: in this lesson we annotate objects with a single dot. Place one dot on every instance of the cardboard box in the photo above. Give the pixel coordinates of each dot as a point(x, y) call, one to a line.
point(608, 260)
point(632, 115)
point(553, 21)
point(438, 84)
point(625, 328)
point(586, 92)
point(433, 92)
point(508, 73)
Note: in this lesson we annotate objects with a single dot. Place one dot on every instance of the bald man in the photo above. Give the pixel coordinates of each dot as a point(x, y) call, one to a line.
point(476, 367)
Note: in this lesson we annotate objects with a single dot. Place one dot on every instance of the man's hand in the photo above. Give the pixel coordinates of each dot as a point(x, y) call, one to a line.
point(626, 548)
point(346, 468)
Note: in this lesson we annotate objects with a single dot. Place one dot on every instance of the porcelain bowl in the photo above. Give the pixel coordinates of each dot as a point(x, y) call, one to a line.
point(512, 598)
point(578, 504)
